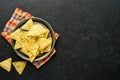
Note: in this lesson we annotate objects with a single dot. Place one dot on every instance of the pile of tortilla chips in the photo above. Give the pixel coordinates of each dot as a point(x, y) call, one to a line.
point(32, 39)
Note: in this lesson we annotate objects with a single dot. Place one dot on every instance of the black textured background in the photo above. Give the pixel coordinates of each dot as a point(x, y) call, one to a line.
point(89, 45)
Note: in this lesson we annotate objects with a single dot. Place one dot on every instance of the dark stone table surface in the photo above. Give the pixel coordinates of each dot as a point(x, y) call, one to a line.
point(89, 45)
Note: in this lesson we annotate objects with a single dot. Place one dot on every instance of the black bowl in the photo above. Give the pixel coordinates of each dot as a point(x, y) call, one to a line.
point(48, 26)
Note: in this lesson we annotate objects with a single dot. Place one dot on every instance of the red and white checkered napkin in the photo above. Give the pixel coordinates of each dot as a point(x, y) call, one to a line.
point(17, 16)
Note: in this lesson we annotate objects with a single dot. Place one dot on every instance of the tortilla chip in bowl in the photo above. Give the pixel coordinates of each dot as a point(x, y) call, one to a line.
point(33, 39)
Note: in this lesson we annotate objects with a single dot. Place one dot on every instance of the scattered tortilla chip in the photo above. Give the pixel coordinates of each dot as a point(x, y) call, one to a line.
point(19, 66)
point(38, 30)
point(28, 25)
point(6, 64)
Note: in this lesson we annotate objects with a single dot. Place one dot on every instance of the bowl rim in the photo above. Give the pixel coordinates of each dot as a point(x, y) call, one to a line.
point(52, 35)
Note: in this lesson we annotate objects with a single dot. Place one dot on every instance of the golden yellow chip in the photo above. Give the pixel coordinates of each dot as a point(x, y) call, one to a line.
point(25, 38)
point(17, 44)
point(6, 64)
point(44, 43)
point(47, 49)
point(26, 49)
point(30, 49)
point(28, 25)
point(38, 30)
point(15, 35)
point(19, 66)
point(45, 35)
point(26, 52)
point(32, 58)
point(34, 49)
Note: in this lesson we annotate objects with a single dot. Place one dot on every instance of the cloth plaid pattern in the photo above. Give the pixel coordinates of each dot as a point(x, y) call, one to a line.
point(17, 16)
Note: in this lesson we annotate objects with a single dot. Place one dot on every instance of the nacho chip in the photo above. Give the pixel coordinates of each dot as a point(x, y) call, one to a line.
point(34, 50)
point(19, 41)
point(31, 50)
point(47, 49)
point(28, 25)
point(17, 44)
point(32, 58)
point(44, 43)
point(26, 52)
point(15, 35)
point(19, 66)
point(6, 64)
point(25, 38)
point(38, 31)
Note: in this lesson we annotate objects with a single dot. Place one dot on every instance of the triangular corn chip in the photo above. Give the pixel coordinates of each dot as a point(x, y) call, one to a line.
point(38, 30)
point(34, 55)
point(25, 38)
point(17, 44)
point(6, 64)
point(34, 49)
point(15, 34)
point(31, 50)
point(26, 52)
point(47, 49)
point(28, 25)
point(32, 58)
point(44, 43)
point(19, 66)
